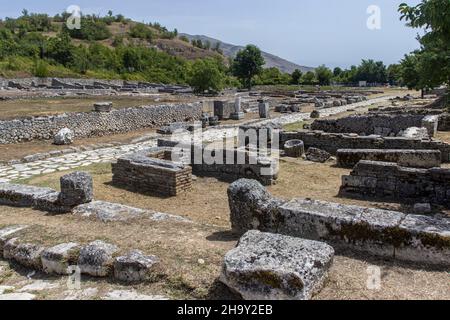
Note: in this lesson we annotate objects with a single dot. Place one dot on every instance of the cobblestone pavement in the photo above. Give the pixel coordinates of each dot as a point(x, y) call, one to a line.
point(105, 155)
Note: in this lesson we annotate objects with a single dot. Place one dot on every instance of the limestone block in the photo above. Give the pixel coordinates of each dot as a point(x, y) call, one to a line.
point(267, 266)
point(135, 267)
point(97, 258)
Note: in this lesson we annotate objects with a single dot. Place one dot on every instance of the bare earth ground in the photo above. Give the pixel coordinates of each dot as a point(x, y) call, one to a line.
point(192, 254)
point(11, 109)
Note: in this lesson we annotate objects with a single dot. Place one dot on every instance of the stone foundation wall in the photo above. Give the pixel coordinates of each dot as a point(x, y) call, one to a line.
point(87, 124)
point(348, 158)
point(150, 172)
point(331, 142)
point(391, 181)
point(377, 232)
point(229, 164)
point(444, 122)
point(380, 124)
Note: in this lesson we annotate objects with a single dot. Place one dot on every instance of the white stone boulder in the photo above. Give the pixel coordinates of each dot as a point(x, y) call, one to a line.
point(266, 266)
point(64, 136)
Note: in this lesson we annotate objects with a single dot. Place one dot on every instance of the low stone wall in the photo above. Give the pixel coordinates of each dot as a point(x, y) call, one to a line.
point(348, 158)
point(76, 188)
point(444, 122)
point(331, 142)
point(96, 259)
point(380, 124)
point(377, 232)
point(87, 124)
point(152, 172)
point(229, 164)
point(391, 181)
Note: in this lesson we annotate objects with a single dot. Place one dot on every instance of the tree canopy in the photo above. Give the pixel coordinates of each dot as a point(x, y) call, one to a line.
point(248, 63)
point(431, 64)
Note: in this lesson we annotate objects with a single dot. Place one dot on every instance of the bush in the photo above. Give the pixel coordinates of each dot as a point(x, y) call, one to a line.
point(91, 29)
point(206, 76)
point(40, 69)
point(141, 31)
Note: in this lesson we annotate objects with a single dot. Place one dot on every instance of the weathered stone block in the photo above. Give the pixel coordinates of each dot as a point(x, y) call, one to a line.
point(135, 267)
point(76, 188)
point(378, 232)
point(7, 233)
point(268, 266)
point(103, 106)
point(264, 110)
point(426, 239)
point(348, 158)
point(64, 136)
point(57, 259)
point(26, 254)
point(19, 195)
point(317, 155)
point(97, 259)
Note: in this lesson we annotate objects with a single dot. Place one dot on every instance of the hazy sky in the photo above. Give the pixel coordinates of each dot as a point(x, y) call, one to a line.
point(308, 32)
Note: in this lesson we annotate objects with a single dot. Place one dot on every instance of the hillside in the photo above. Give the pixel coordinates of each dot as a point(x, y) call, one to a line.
point(230, 50)
point(115, 47)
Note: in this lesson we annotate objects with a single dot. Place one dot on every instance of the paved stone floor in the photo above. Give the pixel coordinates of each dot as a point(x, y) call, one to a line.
point(105, 155)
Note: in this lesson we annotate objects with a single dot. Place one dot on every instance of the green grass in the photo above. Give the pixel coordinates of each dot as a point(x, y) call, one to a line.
point(296, 125)
point(52, 180)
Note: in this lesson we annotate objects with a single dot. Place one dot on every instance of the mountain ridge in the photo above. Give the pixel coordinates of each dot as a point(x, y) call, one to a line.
point(230, 50)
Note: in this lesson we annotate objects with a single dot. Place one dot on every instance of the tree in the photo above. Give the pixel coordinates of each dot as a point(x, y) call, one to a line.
point(308, 78)
point(433, 58)
point(337, 72)
point(371, 71)
point(248, 63)
point(394, 74)
point(323, 75)
point(410, 73)
point(296, 76)
point(206, 76)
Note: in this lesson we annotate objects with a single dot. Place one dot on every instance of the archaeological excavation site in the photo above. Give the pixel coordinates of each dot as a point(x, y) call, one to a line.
point(171, 173)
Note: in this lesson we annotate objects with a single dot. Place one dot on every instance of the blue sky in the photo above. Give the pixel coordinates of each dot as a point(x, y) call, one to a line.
point(308, 32)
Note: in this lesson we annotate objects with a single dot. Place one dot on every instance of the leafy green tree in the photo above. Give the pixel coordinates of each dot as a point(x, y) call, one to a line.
point(248, 63)
point(433, 58)
point(272, 76)
point(308, 78)
point(206, 76)
point(296, 76)
point(394, 74)
point(323, 75)
point(337, 72)
point(371, 71)
point(410, 72)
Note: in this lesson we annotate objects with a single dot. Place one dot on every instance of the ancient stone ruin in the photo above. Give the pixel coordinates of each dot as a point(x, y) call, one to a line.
point(76, 189)
point(348, 158)
point(266, 266)
point(332, 142)
point(390, 180)
point(152, 171)
point(378, 124)
point(376, 232)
